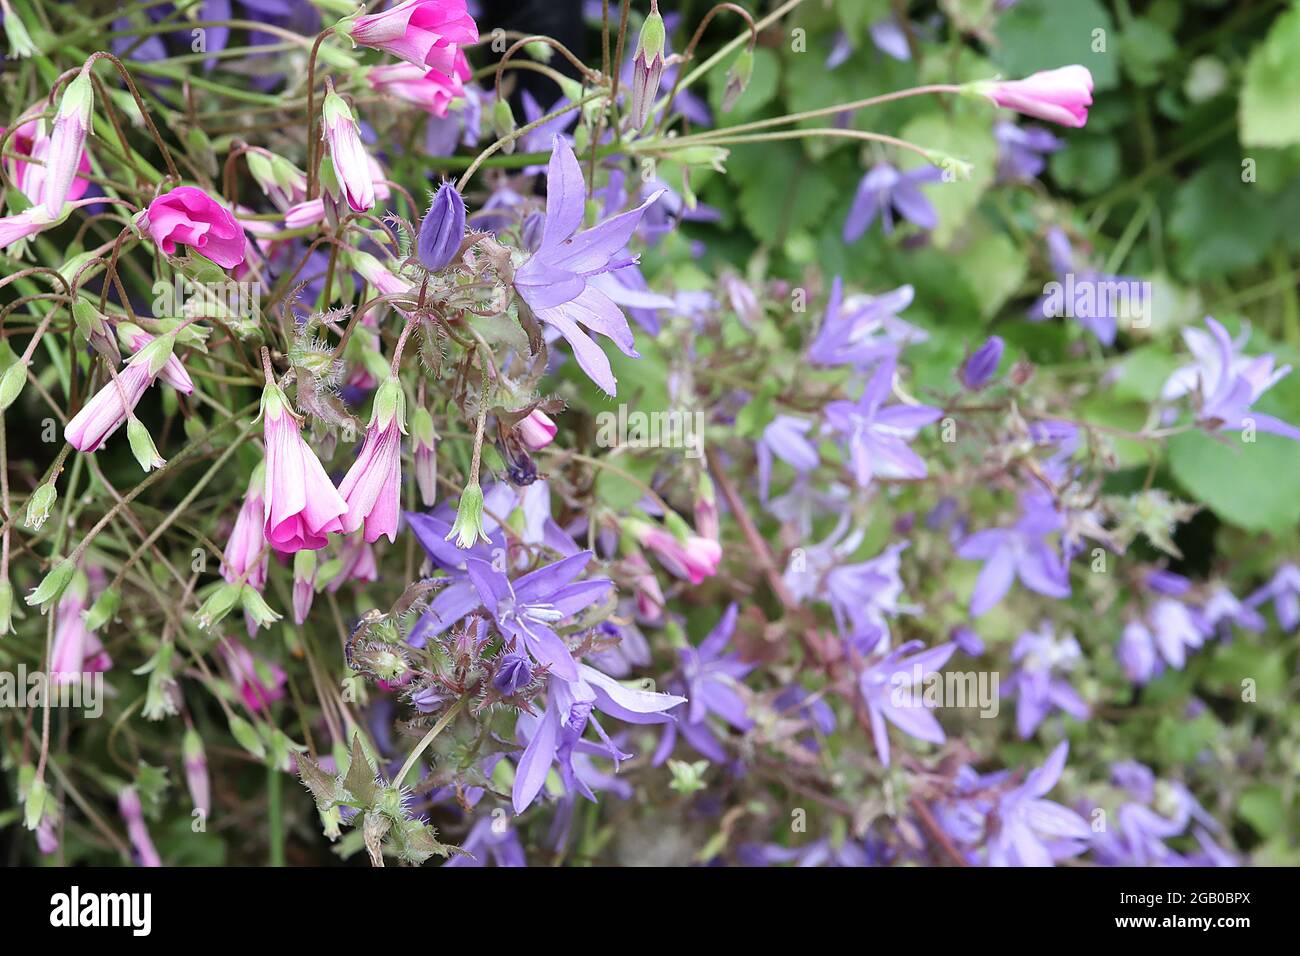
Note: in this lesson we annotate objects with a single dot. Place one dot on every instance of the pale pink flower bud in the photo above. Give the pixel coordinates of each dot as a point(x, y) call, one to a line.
point(1059, 96)
point(105, 413)
point(694, 559)
point(196, 772)
point(347, 154)
point(245, 557)
point(67, 142)
point(430, 90)
point(537, 430)
point(173, 372)
point(128, 804)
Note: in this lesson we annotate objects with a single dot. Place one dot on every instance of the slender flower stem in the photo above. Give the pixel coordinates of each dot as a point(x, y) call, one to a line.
point(428, 738)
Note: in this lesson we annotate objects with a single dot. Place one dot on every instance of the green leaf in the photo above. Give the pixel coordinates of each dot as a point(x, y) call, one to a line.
point(1221, 224)
point(1263, 809)
point(965, 134)
point(1088, 164)
point(1045, 34)
point(1239, 481)
point(1267, 111)
point(1145, 46)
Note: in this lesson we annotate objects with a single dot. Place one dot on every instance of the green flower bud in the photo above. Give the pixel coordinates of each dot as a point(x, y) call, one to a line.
point(103, 610)
point(34, 805)
point(11, 384)
point(503, 123)
point(247, 736)
point(6, 607)
point(390, 401)
point(142, 446)
point(257, 607)
point(39, 505)
point(217, 606)
point(20, 41)
point(742, 68)
point(52, 585)
point(468, 526)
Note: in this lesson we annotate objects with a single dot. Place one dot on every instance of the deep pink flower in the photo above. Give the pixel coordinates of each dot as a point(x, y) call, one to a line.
point(191, 217)
point(427, 33)
point(372, 486)
point(1060, 96)
point(247, 542)
point(302, 506)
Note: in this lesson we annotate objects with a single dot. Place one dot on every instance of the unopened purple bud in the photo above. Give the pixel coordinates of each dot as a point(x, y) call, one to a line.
point(443, 229)
point(647, 66)
point(514, 673)
point(532, 231)
point(979, 367)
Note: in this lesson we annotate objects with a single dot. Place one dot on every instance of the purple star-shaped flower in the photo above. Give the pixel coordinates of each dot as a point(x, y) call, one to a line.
point(1021, 551)
point(885, 190)
point(555, 280)
point(876, 436)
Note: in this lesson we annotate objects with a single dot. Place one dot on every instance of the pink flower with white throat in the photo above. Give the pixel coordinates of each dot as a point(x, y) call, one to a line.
point(426, 33)
point(302, 505)
point(190, 217)
point(1059, 96)
point(372, 486)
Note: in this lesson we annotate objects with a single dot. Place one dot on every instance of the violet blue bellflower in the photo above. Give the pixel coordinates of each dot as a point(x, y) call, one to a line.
point(885, 190)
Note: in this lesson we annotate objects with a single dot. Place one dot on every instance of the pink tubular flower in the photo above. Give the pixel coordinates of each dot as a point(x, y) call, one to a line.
point(196, 771)
point(77, 650)
point(128, 804)
point(191, 217)
point(1059, 96)
point(649, 596)
point(372, 486)
point(537, 430)
point(247, 542)
point(302, 506)
point(259, 681)
point(430, 90)
point(105, 412)
point(351, 164)
point(693, 560)
point(358, 564)
point(385, 281)
point(427, 33)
